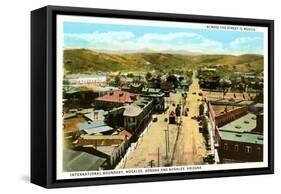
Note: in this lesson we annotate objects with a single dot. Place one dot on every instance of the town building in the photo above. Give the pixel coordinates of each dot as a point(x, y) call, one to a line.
point(96, 127)
point(157, 97)
point(133, 117)
point(77, 79)
point(75, 160)
point(154, 94)
point(101, 91)
point(77, 97)
point(238, 132)
point(241, 140)
point(111, 147)
point(115, 99)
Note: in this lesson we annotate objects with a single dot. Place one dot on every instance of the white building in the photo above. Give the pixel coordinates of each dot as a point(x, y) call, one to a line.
point(85, 79)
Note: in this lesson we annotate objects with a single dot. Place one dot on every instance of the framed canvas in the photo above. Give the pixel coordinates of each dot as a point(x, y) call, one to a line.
point(126, 96)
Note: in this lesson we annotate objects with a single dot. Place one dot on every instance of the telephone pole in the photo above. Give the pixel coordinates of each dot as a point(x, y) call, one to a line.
point(158, 157)
point(166, 142)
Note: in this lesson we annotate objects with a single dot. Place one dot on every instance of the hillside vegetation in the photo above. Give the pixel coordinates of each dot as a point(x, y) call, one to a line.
point(89, 61)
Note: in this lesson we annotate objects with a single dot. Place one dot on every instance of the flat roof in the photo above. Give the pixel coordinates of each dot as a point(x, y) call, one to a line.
point(241, 137)
point(101, 137)
point(80, 161)
point(95, 127)
point(142, 102)
point(245, 123)
point(106, 89)
point(132, 110)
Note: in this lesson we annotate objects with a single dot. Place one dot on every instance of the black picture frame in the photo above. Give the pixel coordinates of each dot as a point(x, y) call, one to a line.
point(43, 95)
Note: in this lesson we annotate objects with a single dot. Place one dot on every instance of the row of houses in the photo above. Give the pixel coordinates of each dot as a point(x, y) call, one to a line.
point(117, 116)
point(106, 138)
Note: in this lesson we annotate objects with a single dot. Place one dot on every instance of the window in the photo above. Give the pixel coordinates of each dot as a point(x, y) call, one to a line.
point(133, 119)
point(225, 146)
point(248, 149)
point(236, 147)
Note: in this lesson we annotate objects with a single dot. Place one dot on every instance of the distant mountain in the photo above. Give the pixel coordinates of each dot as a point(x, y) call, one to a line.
point(181, 52)
point(89, 61)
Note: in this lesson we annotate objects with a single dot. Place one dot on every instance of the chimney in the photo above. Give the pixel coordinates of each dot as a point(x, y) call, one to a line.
point(259, 127)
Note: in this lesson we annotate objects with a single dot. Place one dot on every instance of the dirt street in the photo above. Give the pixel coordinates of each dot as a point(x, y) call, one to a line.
point(190, 147)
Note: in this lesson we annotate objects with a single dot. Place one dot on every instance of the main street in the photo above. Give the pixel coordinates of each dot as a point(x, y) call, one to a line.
point(185, 144)
point(155, 147)
point(190, 147)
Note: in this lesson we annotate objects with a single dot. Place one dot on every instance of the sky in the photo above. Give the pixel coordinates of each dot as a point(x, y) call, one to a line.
point(120, 37)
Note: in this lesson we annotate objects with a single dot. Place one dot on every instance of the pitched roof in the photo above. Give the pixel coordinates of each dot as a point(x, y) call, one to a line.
point(119, 96)
point(126, 133)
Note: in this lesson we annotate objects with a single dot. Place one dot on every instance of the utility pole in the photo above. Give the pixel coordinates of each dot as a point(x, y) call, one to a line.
point(166, 142)
point(168, 138)
point(151, 163)
point(158, 157)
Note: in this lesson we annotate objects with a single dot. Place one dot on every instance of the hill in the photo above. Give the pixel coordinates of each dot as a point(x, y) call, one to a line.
point(89, 61)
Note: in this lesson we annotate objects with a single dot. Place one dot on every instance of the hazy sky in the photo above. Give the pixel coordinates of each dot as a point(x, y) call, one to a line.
point(116, 37)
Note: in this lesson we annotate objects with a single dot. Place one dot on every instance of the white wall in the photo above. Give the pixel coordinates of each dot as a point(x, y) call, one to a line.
point(15, 78)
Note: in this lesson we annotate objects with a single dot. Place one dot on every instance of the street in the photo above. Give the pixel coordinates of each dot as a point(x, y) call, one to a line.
point(166, 144)
point(190, 147)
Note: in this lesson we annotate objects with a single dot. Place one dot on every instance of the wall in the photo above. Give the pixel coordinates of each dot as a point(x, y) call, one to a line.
point(230, 116)
point(240, 155)
point(15, 73)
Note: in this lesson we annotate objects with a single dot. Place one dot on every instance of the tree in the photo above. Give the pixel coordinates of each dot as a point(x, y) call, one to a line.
point(117, 80)
point(204, 122)
point(136, 79)
point(66, 82)
point(181, 78)
point(148, 76)
point(130, 75)
point(224, 84)
point(201, 109)
point(172, 79)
